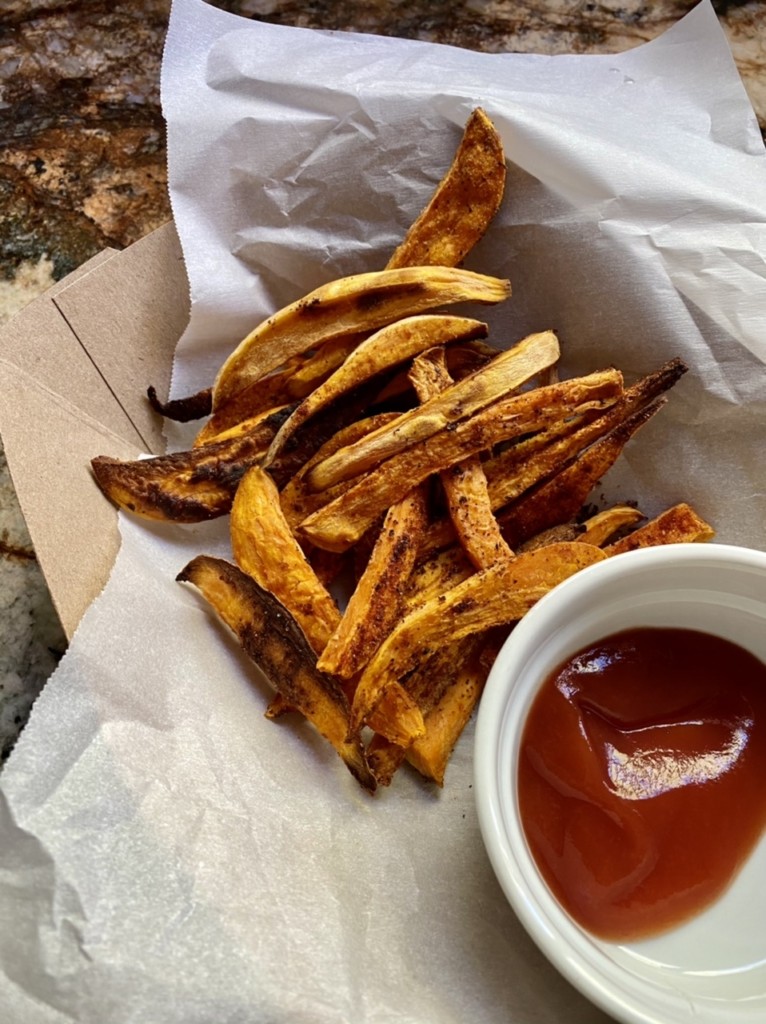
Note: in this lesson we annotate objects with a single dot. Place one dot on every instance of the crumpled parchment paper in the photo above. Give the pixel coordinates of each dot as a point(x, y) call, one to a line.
point(166, 854)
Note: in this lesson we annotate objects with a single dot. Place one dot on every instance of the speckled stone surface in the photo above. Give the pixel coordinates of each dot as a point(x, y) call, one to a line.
point(82, 166)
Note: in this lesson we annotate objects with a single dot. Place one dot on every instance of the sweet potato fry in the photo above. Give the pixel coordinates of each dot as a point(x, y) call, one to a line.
point(463, 204)
point(185, 487)
point(363, 302)
point(426, 686)
point(600, 527)
point(677, 525)
point(265, 548)
point(289, 384)
point(465, 483)
point(374, 605)
point(435, 574)
point(344, 520)
point(561, 497)
point(296, 498)
point(508, 371)
point(494, 597)
point(274, 642)
point(384, 349)
point(182, 410)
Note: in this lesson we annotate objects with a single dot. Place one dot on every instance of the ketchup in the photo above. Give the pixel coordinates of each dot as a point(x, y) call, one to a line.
point(642, 777)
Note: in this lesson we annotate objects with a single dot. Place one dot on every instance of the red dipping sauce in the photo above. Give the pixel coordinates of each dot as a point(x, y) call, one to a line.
point(642, 777)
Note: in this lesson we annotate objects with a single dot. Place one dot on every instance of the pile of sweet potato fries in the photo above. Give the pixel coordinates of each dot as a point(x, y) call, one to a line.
point(364, 433)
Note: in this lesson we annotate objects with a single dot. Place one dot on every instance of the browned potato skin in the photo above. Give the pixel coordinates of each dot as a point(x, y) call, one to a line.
point(274, 642)
point(185, 487)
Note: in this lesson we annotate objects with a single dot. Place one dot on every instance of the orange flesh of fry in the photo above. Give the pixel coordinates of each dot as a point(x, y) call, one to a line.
point(297, 500)
point(265, 548)
point(677, 525)
point(286, 385)
point(600, 527)
point(508, 371)
point(463, 204)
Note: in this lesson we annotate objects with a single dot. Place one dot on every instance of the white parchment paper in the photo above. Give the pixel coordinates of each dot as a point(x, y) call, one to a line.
point(166, 854)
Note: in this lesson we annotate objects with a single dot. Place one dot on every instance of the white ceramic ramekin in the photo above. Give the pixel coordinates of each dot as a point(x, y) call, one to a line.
point(712, 969)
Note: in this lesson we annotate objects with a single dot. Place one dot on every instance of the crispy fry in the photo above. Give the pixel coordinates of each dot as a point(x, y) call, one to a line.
point(432, 576)
point(363, 302)
point(561, 497)
point(508, 371)
point(562, 532)
point(182, 410)
point(242, 428)
point(445, 721)
point(296, 498)
point(490, 598)
point(465, 483)
point(677, 525)
point(374, 606)
point(600, 527)
point(285, 386)
point(427, 686)
point(464, 203)
point(185, 487)
point(384, 349)
point(265, 548)
point(274, 642)
point(342, 522)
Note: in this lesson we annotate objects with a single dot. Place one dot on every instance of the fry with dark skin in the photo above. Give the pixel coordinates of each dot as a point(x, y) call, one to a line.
point(274, 642)
point(338, 525)
point(386, 348)
point(185, 487)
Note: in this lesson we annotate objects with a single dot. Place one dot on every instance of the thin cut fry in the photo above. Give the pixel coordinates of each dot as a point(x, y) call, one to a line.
point(445, 721)
point(296, 498)
point(344, 520)
point(374, 606)
point(562, 496)
point(508, 371)
point(274, 642)
point(384, 349)
point(600, 527)
point(490, 598)
point(677, 525)
point(464, 203)
point(363, 302)
point(465, 483)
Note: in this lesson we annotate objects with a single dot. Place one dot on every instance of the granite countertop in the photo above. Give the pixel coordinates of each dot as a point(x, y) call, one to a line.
point(82, 166)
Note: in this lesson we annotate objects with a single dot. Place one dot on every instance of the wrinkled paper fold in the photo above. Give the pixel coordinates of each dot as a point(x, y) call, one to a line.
point(167, 854)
